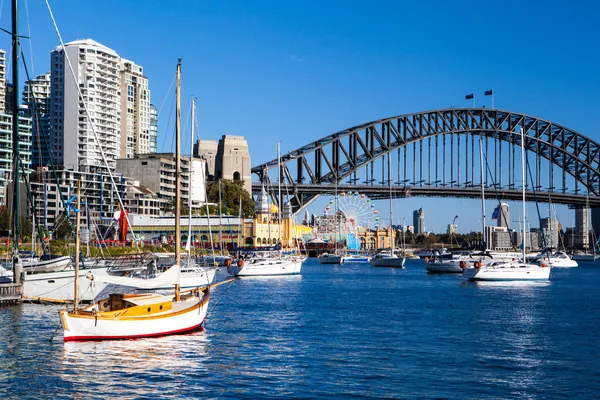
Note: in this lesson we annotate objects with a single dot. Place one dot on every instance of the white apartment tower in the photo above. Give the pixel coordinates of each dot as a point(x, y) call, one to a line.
point(136, 133)
point(2, 80)
point(97, 70)
point(36, 96)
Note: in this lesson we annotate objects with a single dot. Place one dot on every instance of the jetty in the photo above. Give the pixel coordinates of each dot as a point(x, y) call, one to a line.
point(10, 294)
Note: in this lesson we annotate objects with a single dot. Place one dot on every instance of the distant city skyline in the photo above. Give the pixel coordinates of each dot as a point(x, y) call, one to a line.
point(297, 72)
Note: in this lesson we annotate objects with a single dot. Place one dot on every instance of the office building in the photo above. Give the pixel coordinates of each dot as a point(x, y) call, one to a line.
point(419, 221)
point(581, 235)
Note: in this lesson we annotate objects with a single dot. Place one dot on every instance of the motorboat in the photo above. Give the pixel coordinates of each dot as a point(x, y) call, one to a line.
point(356, 259)
point(451, 264)
point(557, 259)
point(265, 266)
point(386, 258)
point(328, 258)
point(579, 257)
point(45, 263)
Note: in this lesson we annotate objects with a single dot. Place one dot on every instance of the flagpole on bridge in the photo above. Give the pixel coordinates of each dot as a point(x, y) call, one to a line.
point(490, 93)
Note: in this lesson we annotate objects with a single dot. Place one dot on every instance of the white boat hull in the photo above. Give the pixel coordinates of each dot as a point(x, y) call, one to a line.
point(330, 259)
point(447, 267)
point(58, 287)
point(266, 268)
point(52, 265)
point(186, 316)
point(509, 272)
point(396, 262)
point(356, 260)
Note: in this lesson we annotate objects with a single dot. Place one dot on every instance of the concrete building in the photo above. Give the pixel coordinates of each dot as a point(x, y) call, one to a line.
point(419, 221)
point(157, 173)
point(498, 238)
point(135, 111)
point(550, 230)
point(207, 149)
point(73, 142)
point(581, 235)
point(153, 129)
point(36, 96)
point(452, 229)
point(503, 215)
point(228, 158)
point(531, 240)
point(140, 200)
point(98, 193)
point(6, 153)
point(2, 80)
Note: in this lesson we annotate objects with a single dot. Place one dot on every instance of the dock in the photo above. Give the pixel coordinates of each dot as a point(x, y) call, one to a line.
point(10, 294)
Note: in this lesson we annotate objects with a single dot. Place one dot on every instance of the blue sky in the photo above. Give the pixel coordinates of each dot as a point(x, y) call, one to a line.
point(296, 71)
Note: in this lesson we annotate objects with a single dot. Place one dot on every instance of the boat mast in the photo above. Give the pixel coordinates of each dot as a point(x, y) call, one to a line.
point(177, 175)
point(523, 186)
point(279, 194)
point(188, 245)
point(77, 244)
point(392, 241)
point(483, 241)
point(16, 228)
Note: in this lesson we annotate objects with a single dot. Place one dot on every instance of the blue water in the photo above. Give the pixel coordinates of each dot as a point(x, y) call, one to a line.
point(334, 332)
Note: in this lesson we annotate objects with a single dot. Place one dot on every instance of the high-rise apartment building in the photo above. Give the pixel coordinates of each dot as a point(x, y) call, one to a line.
point(2, 80)
point(419, 221)
point(135, 111)
point(36, 97)
point(153, 128)
point(78, 124)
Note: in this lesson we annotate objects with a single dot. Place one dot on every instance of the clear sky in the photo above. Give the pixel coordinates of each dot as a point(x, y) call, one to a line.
point(296, 71)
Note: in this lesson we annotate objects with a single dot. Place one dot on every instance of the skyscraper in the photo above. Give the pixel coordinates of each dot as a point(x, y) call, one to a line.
point(72, 137)
point(36, 96)
point(503, 216)
point(419, 221)
point(153, 128)
point(135, 111)
point(582, 228)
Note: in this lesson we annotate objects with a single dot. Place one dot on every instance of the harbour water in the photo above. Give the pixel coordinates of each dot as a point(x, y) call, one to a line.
point(350, 331)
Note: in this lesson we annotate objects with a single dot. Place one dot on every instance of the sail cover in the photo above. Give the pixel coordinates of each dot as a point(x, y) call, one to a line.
point(168, 278)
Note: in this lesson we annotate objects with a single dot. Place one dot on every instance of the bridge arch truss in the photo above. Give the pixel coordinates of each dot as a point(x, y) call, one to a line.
point(561, 162)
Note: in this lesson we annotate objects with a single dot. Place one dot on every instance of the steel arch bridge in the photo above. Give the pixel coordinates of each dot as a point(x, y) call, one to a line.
point(435, 153)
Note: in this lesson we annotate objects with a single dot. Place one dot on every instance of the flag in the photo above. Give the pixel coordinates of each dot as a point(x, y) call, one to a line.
point(496, 212)
point(522, 245)
point(489, 92)
point(456, 216)
point(469, 96)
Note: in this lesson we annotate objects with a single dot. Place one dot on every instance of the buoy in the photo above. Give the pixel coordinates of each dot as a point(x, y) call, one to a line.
point(426, 260)
point(463, 265)
point(228, 262)
point(240, 263)
point(543, 265)
point(477, 265)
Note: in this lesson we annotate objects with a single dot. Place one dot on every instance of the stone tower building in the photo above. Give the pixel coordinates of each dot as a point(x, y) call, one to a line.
point(229, 159)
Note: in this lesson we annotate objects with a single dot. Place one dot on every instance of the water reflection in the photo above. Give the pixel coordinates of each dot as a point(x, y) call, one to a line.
point(133, 366)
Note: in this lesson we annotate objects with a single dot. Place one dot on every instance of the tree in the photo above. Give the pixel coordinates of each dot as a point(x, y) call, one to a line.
point(4, 219)
point(231, 193)
point(62, 229)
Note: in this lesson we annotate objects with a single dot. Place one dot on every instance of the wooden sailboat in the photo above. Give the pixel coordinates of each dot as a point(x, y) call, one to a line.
point(130, 316)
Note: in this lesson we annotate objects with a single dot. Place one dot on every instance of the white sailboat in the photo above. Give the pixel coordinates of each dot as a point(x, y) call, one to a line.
point(389, 258)
point(518, 270)
point(266, 264)
point(130, 316)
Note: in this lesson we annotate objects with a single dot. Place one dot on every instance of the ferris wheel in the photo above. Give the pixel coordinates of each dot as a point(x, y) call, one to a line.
point(358, 209)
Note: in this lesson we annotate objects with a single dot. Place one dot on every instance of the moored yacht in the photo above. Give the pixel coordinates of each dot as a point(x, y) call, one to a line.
point(328, 258)
point(385, 258)
point(557, 259)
